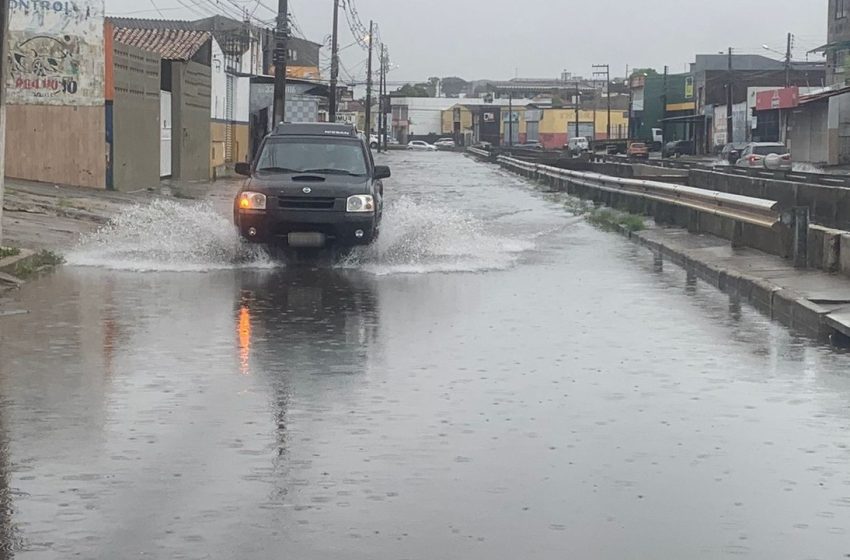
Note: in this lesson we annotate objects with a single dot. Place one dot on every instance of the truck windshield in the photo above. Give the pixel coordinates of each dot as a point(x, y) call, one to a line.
point(312, 155)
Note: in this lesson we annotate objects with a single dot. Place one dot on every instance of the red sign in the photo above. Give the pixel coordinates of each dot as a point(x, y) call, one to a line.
point(784, 98)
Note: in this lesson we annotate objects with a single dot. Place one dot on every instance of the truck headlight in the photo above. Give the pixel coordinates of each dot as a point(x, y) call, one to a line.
point(360, 203)
point(249, 200)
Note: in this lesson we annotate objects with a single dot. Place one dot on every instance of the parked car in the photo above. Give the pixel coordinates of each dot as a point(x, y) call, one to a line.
point(678, 148)
point(421, 145)
point(531, 146)
point(577, 145)
point(312, 185)
point(732, 152)
point(373, 141)
point(638, 150)
point(769, 155)
point(445, 143)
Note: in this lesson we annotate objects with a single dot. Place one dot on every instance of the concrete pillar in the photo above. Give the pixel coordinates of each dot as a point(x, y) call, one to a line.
point(693, 221)
point(844, 254)
point(801, 236)
point(831, 251)
point(738, 235)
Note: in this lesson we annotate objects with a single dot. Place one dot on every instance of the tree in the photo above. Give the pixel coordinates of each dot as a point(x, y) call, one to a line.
point(644, 72)
point(411, 90)
point(454, 86)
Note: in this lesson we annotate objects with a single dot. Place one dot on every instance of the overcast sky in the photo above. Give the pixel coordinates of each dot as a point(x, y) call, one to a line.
point(501, 39)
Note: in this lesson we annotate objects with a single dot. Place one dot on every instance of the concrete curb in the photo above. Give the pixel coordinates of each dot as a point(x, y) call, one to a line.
point(784, 305)
point(10, 265)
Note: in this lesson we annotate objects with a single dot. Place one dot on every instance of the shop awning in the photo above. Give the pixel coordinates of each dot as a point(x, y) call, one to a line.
point(684, 119)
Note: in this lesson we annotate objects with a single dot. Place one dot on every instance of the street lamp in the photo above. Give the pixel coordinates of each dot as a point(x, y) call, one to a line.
point(765, 47)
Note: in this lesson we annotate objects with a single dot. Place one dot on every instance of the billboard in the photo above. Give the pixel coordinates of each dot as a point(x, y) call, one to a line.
point(784, 98)
point(56, 52)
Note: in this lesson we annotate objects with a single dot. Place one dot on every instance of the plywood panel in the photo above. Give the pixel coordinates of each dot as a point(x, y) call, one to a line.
point(56, 144)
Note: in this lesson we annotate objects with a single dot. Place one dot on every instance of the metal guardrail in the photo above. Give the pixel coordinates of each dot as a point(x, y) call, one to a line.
point(743, 209)
point(478, 152)
point(825, 179)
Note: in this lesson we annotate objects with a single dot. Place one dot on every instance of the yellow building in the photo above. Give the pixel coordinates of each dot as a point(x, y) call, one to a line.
point(558, 125)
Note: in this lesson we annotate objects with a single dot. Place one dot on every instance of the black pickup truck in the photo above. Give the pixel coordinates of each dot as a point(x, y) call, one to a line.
point(311, 185)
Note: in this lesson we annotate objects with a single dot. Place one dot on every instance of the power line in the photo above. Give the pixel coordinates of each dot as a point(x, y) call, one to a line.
point(155, 7)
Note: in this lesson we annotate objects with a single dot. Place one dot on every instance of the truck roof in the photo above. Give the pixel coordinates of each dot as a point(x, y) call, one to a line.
point(315, 129)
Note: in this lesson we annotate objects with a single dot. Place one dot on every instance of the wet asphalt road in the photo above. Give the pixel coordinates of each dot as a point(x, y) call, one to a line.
point(495, 379)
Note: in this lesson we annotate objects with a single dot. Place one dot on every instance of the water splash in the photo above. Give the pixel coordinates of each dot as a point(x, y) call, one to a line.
point(168, 236)
point(419, 236)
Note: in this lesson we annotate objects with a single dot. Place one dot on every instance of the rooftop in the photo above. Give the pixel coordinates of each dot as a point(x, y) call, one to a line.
point(169, 44)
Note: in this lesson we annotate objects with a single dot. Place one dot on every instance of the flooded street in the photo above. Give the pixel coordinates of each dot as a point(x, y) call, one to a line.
point(494, 379)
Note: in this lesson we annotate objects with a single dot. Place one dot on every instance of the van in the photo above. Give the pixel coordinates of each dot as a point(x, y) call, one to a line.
point(578, 145)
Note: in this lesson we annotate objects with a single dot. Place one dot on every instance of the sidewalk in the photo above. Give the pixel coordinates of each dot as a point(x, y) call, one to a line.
point(45, 216)
point(815, 302)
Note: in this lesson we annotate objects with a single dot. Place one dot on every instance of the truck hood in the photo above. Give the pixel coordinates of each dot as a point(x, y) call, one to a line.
point(335, 186)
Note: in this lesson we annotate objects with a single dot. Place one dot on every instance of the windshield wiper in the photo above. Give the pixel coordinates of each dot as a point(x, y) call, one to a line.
point(334, 172)
point(279, 169)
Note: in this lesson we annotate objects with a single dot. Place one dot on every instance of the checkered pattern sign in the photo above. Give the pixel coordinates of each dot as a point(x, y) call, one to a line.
point(300, 108)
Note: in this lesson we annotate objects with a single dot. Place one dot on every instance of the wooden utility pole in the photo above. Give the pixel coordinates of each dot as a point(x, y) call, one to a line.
point(4, 25)
point(281, 55)
point(369, 84)
point(332, 105)
point(381, 77)
point(664, 108)
point(510, 119)
point(788, 61)
point(729, 101)
point(578, 96)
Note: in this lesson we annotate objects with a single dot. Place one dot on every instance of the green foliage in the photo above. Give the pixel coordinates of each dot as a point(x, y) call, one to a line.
point(9, 252)
point(613, 220)
point(413, 90)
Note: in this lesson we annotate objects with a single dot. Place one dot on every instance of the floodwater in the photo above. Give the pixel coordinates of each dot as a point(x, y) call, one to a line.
point(495, 379)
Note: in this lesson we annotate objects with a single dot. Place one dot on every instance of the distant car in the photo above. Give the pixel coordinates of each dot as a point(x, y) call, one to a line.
point(577, 145)
point(638, 150)
point(732, 152)
point(531, 146)
point(678, 148)
point(767, 155)
point(373, 141)
point(445, 143)
point(421, 145)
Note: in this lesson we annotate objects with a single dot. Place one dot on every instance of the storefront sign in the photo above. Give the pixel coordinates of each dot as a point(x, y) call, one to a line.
point(783, 98)
point(56, 52)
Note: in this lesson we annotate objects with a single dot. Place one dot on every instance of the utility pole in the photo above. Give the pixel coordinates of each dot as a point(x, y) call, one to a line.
point(606, 71)
point(281, 35)
point(510, 119)
point(578, 103)
point(788, 62)
point(730, 137)
point(332, 105)
point(385, 103)
point(369, 84)
point(4, 24)
point(664, 107)
point(381, 112)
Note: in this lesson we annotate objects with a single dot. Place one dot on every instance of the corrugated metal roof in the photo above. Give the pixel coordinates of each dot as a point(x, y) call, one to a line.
point(170, 44)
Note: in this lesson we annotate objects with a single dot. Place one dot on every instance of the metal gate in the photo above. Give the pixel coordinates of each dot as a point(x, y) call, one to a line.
point(228, 115)
point(165, 134)
point(584, 129)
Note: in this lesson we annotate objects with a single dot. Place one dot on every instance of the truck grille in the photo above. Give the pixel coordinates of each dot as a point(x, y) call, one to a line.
point(306, 203)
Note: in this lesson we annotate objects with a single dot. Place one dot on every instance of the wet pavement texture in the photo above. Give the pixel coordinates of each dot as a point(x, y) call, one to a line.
point(494, 379)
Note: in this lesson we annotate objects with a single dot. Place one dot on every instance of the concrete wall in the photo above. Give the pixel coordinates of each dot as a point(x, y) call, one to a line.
point(190, 100)
point(56, 144)
point(136, 126)
point(830, 206)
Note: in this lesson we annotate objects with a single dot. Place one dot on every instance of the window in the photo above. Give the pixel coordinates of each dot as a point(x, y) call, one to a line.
point(841, 7)
point(303, 155)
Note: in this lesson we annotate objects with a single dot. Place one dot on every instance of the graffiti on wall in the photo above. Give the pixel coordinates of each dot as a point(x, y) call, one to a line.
point(56, 52)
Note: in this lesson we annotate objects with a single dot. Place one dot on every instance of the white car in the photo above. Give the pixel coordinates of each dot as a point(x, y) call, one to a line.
point(421, 145)
point(770, 155)
point(373, 141)
point(445, 143)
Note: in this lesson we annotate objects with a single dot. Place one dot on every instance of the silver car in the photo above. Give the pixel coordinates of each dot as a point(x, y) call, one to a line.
point(765, 155)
